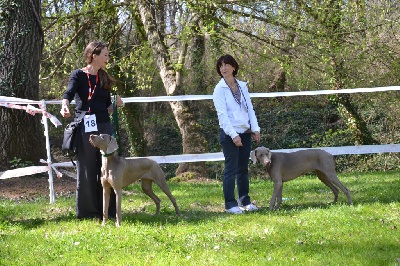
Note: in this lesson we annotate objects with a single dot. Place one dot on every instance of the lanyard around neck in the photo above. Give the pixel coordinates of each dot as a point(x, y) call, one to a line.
point(91, 90)
point(237, 98)
point(236, 95)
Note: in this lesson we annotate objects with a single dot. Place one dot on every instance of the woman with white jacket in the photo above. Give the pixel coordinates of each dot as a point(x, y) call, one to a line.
point(238, 122)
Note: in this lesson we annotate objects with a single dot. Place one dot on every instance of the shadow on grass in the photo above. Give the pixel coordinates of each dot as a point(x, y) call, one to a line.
point(203, 202)
point(32, 223)
point(308, 192)
point(166, 216)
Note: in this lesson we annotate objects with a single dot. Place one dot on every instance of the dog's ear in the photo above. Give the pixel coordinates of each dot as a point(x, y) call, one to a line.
point(253, 156)
point(112, 145)
point(269, 154)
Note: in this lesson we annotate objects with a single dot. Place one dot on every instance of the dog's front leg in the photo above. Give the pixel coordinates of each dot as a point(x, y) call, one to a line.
point(277, 187)
point(106, 202)
point(118, 193)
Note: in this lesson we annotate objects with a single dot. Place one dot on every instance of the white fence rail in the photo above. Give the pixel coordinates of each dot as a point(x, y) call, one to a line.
point(18, 103)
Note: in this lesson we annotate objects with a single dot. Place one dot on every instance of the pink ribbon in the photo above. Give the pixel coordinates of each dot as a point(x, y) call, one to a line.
point(59, 175)
point(30, 109)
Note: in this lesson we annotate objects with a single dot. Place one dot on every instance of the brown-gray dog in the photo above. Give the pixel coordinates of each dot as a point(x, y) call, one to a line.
point(118, 172)
point(284, 167)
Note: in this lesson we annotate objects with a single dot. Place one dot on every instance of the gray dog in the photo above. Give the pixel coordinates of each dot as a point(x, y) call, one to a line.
point(118, 172)
point(284, 167)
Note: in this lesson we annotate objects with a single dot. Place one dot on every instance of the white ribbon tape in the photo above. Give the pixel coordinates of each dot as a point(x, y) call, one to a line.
point(14, 100)
point(11, 102)
point(30, 170)
point(256, 95)
point(218, 156)
point(252, 95)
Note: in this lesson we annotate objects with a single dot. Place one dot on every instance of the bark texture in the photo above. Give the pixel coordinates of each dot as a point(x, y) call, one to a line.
point(22, 42)
point(192, 140)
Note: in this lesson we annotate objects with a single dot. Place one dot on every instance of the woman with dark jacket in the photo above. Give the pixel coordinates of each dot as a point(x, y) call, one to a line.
point(90, 87)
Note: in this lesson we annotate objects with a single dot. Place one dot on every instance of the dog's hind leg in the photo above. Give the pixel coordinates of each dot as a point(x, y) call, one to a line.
point(147, 189)
point(324, 179)
point(164, 187)
point(335, 180)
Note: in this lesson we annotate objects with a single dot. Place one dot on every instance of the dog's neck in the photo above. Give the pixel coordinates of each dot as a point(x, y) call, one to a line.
point(268, 166)
point(105, 154)
point(108, 152)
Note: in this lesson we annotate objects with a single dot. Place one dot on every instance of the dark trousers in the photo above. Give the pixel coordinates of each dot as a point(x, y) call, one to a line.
point(236, 169)
point(89, 191)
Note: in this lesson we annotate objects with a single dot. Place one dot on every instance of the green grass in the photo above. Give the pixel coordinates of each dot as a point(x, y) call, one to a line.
point(307, 230)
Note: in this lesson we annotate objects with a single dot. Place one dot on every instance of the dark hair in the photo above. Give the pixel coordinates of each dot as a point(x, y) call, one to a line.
point(227, 59)
point(106, 81)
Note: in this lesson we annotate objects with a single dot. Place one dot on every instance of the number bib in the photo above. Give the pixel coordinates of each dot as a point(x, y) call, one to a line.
point(90, 123)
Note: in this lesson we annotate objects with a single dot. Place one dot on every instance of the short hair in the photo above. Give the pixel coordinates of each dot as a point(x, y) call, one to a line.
point(227, 59)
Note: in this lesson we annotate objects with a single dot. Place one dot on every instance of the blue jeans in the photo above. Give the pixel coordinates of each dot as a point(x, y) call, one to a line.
point(236, 169)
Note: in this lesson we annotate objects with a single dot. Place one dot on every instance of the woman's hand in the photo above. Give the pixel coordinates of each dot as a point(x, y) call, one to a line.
point(119, 101)
point(256, 137)
point(65, 109)
point(238, 141)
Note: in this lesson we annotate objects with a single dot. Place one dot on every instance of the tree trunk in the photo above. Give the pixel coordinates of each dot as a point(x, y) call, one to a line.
point(127, 87)
point(345, 107)
point(353, 119)
point(133, 118)
point(21, 49)
point(192, 140)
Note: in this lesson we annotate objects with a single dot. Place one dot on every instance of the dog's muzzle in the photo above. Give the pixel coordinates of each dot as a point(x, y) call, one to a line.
point(267, 163)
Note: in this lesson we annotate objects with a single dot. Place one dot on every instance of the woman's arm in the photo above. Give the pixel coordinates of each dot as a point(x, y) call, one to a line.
point(119, 103)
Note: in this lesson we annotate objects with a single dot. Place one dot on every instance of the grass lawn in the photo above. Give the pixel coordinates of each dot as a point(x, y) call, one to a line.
point(307, 230)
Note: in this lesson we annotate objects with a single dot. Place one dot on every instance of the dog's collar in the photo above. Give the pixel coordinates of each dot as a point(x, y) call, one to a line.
point(107, 154)
point(110, 153)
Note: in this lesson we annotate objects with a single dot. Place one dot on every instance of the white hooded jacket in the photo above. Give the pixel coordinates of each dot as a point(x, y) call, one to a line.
point(234, 118)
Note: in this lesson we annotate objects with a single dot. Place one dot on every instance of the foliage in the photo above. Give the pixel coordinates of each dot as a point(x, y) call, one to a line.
point(19, 163)
point(309, 122)
point(267, 38)
point(306, 229)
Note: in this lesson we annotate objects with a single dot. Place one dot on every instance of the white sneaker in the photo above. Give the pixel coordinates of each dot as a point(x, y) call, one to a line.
point(250, 208)
point(234, 210)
